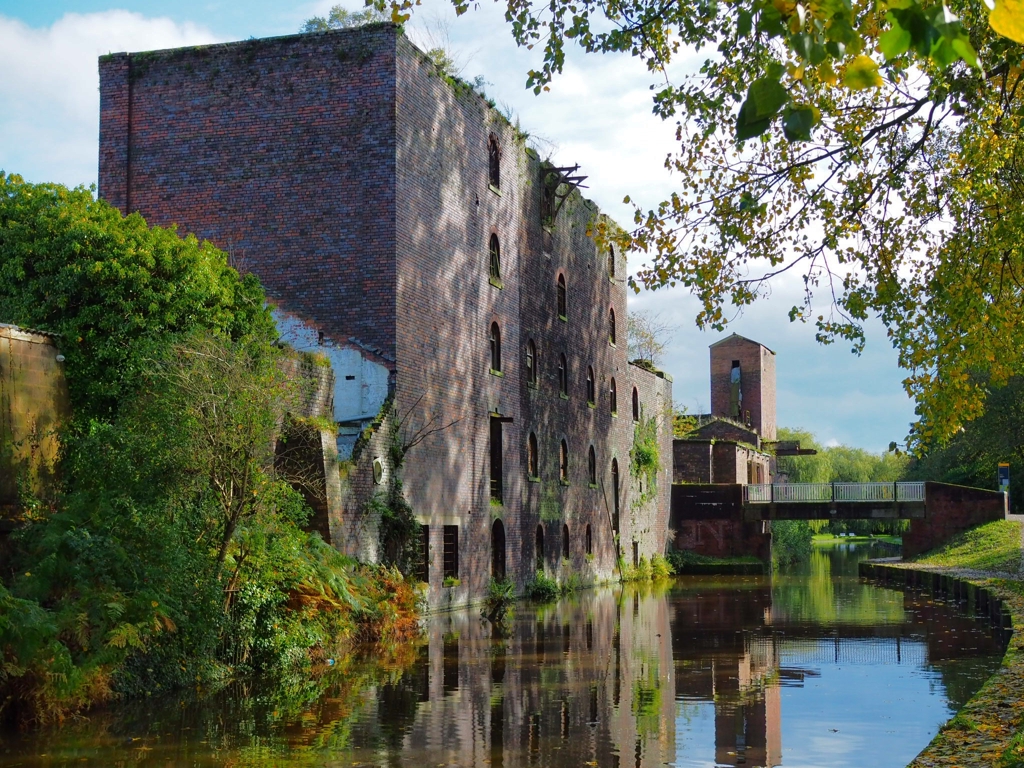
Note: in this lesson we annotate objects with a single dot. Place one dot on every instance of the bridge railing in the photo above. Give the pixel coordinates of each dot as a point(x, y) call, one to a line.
point(790, 493)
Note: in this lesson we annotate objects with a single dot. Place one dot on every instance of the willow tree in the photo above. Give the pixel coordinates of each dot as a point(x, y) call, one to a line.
point(873, 147)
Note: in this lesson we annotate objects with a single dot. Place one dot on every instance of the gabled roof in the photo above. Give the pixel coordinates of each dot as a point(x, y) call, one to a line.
point(741, 338)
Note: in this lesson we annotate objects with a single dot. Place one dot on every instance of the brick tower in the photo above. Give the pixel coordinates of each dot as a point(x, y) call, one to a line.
point(743, 383)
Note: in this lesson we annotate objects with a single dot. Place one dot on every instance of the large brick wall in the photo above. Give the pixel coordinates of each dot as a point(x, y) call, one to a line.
point(952, 509)
point(352, 177)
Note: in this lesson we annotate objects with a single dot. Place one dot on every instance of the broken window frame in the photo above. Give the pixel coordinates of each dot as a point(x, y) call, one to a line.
point(495, 347)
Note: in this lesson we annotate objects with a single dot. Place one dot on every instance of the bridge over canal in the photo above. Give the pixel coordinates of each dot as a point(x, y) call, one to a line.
point(730, 520)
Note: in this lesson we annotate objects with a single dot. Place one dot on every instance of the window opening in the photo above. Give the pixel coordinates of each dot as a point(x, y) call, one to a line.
point(496, 462)
point(493, 163)
point(495, 251)
point(539, 548)
point(451, 551)
point(615, 495)
point(592, 466)
point(636, 405)
point(563, 462)
point(532, 468)
point(636, 554)
point(498, 550)
point(531, 363)
point(563, 375)
point(590, 385)
point(565, 541)
point(613, 397)
point(424, 554)
point(611, 261)
point(562, 313)
point(611, 326)
point(495, 347)
point(590, 551)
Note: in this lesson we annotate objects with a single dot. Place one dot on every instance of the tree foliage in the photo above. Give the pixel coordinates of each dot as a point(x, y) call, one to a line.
point(839, 463)
point(872, 148)
point(110, 286)
point(646, 337)
point(340, 17)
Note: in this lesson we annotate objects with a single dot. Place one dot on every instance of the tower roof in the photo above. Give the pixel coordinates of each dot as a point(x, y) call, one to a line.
point(741, 338)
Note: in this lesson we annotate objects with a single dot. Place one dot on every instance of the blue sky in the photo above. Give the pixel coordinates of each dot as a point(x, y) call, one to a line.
point(598, 114)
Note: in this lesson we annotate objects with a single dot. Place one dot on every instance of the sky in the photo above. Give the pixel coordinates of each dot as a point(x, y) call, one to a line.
point(597, 114)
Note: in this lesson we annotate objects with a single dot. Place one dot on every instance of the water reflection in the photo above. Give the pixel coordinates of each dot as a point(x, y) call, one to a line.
point(812, 668)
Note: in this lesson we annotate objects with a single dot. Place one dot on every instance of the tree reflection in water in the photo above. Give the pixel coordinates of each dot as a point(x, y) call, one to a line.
point(696, 673)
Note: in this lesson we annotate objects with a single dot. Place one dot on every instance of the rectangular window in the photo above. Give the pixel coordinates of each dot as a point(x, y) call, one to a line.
point(424, 554)
point(451, 551)
point(496, 463)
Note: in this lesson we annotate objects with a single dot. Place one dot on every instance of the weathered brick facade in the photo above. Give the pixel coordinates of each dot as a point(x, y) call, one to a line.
point(757, 383)
point(352, 178)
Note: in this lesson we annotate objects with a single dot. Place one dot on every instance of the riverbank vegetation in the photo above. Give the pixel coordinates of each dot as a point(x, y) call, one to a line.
point(175, 553)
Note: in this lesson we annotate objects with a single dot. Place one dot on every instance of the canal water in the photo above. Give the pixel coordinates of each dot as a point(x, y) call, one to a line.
point(811, 667)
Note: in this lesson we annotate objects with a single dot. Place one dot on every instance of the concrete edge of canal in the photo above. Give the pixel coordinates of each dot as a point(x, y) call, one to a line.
point(989, 730)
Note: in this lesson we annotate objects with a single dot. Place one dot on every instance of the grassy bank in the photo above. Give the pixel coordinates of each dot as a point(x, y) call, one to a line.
point(989, 730)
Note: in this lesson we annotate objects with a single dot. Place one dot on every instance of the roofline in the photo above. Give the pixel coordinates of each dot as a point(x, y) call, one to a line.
point(737, 336)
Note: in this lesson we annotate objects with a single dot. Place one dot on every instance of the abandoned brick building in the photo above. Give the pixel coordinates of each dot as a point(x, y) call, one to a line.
point(402, 228)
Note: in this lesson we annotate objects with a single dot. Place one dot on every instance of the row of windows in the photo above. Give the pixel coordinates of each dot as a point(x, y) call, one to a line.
point(533, 463)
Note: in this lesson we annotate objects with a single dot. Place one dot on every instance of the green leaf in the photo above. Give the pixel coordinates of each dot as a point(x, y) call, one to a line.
point(748, 127)
point(766, 96)
point(744, 23)
point(862, 73)
point(798, 122)
point(894, 42)
point(963, 48)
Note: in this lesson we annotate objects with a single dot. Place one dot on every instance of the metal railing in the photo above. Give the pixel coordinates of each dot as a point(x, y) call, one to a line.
point(809, 493)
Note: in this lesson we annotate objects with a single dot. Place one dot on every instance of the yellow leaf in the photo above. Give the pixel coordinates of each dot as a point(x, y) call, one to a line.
point(862, 73)
point(1008, 19)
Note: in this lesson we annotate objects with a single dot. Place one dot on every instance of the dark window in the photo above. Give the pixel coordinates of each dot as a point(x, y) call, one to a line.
point(611, 326)
point(636, 554)
point(531, 363)
point(590, 385)
point(531, 456)
point(590, 551)
point(451, 551)
point(498, 550)
point(615, 495)
point(539, 548)
point(592, 466)
point(636, 405)
point(563, 462)
point(562, 313)
point(565, 541)
point(611, 261)
point(613, 398)
point(496, 463)
point(495, 347)
point(563, 376)
point(493, 162)
point(548, 187)
point(424, 558)
point(495, 251)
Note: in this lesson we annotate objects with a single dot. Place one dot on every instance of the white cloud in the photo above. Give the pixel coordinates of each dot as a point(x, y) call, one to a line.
point(50, 89)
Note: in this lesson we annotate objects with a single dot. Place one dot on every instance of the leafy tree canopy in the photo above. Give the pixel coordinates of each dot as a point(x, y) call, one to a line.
point(873, 147)
point(838, 463)
point(110, 286)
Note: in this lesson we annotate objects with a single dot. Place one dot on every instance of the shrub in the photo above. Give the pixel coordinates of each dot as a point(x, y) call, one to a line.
point(542, 587)
point(661, 568)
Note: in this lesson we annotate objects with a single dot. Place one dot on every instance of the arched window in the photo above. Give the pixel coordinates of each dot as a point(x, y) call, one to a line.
point(565, 541)
point(562, 312)
point(611, 261)
point(590, 385)
point(592, 466)
point(495, 347)
point(563, 375)
point(611, 326)
point(636, 405)
point(498, 550)
point(563, 462)
point(590, 541)
point(538, 548)
point(613, 397)
point(532, 464)
point(531, 363)
point(495, 250)
point(493, 162)
point(615, 495)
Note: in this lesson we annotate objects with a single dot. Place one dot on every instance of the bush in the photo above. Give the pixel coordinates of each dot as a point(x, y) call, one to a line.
point(661, 568)
point(791, 540)
point(542, 587)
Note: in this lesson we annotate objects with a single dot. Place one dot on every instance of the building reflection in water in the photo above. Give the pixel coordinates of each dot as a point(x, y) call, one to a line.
point(602, 680)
